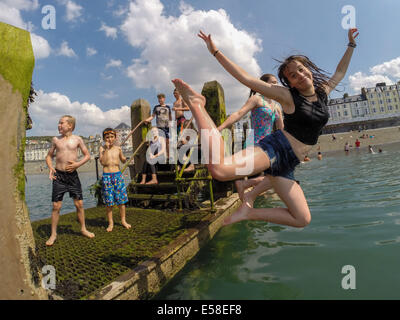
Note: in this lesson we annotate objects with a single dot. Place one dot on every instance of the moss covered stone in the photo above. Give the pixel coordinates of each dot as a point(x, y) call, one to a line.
point(215, 101)
point(84, 265)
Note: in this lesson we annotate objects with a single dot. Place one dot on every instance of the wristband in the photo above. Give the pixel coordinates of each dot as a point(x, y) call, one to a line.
point(350, 44)
point(215, 53)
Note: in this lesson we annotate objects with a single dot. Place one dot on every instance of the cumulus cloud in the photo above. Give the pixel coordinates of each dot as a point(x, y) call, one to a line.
point(360, 80)
point(66, 51)
point(10, 13)
point(170, 48)
point(73, 11)
point(390, 68)
point(49, 107)
point(41, 47)
point(114, 63)
point(388, 72)
point(110, 32)
point(90, 51)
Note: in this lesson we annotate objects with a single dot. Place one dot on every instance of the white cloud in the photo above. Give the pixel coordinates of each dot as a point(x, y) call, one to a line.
point(73, 11)
point(109, 31)
point(41, 47)
point(171, 48)
point(10, 13)
point(388, 72)
point(22, 4)
point(66, 51)
point(105, 77)
point(114, 63)
point(360, 80)
point(12, 16)
point(90, 119)
point(109, 95)
point(90, 51)
point(390, 68)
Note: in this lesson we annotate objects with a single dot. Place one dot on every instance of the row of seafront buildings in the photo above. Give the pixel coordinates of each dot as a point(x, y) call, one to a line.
point(373, 108)
point(37, 150)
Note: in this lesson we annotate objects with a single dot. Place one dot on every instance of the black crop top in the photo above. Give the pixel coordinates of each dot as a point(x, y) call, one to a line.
point(308, 118)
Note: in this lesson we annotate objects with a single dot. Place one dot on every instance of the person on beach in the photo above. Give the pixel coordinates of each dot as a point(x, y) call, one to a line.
point(265, 115)
point(304, 100)
point(112, 183)
point(179, 107)
point(357, 143)
point(346, 148)
point(155, 153)
point(64, 176)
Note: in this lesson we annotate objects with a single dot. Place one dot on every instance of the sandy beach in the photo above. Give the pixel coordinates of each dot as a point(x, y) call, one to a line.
point(380, 137)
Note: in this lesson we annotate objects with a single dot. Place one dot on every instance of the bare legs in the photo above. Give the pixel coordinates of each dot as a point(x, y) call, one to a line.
point(55, 216)
point(122, 211)
point(297, 214)
point(246, 162)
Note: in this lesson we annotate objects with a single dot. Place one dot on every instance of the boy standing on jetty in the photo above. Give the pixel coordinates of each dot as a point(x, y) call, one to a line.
point(64, 176)
point(113, 186)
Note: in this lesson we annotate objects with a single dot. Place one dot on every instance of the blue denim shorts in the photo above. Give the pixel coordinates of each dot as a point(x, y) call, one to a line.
point(281, 155)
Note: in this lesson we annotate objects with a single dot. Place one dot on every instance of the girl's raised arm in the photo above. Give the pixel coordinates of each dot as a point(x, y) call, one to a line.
point(277, 93)
point(344, 62)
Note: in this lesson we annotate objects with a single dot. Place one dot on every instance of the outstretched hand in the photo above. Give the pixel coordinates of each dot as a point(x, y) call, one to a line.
point(207, 39)
point(352, 36)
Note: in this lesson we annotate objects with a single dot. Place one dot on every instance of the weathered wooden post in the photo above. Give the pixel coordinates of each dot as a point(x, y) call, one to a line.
point(20, 275)
point(140, 110)
point(215, 106)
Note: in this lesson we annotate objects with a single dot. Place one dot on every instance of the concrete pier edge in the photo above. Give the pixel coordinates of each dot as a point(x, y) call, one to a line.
point(150, 276)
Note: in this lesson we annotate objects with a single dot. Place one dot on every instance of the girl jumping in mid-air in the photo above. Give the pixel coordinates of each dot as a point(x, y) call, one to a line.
point(304, 100)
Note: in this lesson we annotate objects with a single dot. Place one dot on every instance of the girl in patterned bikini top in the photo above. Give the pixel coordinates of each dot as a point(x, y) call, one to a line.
point(264, 112)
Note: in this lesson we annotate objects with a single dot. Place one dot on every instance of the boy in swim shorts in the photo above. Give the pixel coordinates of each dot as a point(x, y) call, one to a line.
point(113, 186)
point(64, 176)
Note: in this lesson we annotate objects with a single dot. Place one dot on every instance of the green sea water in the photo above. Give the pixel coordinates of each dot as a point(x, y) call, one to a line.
point(355, 206)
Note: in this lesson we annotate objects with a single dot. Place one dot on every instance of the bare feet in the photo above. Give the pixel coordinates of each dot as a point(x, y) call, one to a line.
point(152, 182)
point(51, 240)
point(191, 97)
point(242, 213)
point(126, 225)
point(240, 188)
point(87, 234)
point(143, 182)
point(110, 227)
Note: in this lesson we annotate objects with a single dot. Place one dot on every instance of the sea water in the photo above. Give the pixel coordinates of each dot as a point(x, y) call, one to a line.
point(355, 206)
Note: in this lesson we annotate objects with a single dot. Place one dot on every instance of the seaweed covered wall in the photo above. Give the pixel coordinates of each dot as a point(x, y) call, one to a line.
point(19, 275)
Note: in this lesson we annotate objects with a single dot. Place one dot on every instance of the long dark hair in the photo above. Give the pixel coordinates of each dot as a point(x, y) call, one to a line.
point(320, 77)
point(265, 77)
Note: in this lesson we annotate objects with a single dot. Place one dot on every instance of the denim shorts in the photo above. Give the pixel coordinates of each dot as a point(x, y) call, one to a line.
point(281, 155)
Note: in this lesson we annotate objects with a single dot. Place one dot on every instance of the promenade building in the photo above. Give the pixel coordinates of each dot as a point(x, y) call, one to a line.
point(123, 131)
point(375, 107)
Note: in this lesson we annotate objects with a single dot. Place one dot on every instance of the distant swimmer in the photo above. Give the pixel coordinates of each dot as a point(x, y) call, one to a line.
point(370, 150)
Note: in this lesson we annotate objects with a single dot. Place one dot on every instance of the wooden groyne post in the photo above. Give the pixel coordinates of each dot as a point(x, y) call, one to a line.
point(140, 110)
point(19, 276)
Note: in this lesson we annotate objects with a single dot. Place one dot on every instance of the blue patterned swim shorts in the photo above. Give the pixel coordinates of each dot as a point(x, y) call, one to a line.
point(113, 189)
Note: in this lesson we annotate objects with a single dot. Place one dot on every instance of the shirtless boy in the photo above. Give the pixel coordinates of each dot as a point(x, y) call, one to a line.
point(113, 186)
point(64, 176)
point(179, 107)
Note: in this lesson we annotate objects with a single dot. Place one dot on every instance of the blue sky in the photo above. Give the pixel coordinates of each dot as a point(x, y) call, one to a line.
point(103, 55)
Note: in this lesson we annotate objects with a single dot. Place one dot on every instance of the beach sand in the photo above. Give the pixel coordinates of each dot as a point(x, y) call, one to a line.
point(381, 137)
